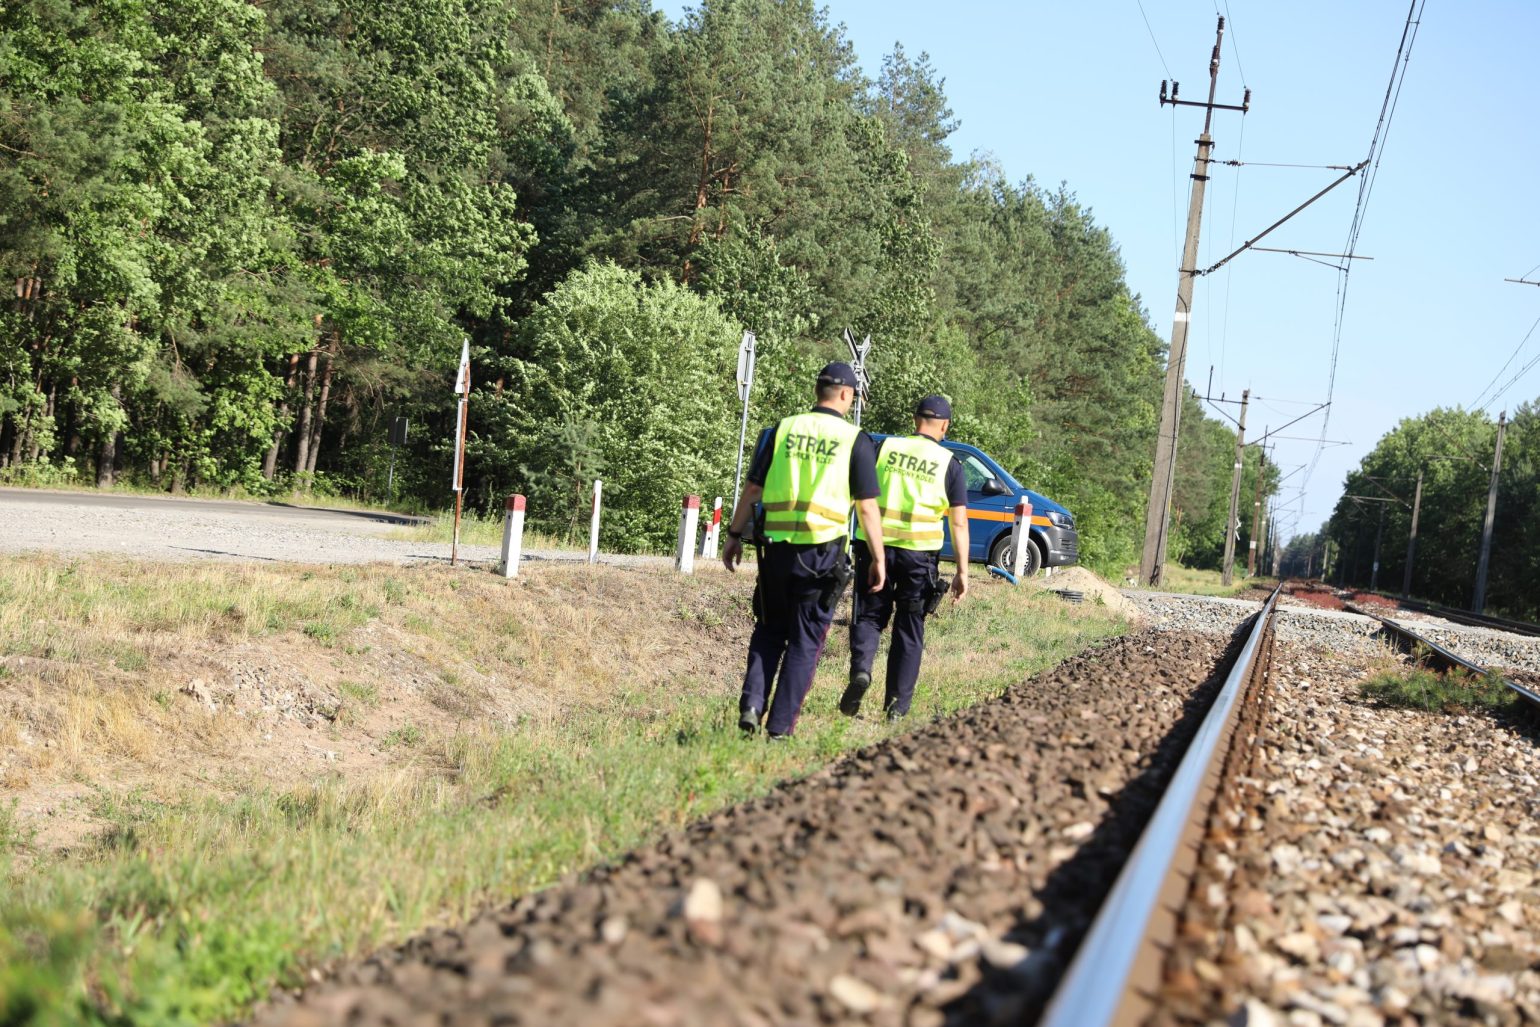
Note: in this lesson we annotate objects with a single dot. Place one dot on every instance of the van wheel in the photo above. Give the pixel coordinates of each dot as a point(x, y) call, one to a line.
point(1000, 555)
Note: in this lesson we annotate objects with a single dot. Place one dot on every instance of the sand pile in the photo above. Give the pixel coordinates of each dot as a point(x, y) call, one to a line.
point(1079, 579)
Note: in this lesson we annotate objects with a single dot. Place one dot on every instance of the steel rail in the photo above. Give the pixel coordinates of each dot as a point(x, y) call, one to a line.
point(1445, 656)
point(1117, 968)
point(1475, 620)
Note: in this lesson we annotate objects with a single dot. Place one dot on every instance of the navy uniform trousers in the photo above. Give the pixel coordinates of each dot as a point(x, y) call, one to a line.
point(789, 633)
point(911, 575)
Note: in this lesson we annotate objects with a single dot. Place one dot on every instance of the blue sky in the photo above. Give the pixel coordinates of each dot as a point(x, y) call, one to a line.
point(1068, 93)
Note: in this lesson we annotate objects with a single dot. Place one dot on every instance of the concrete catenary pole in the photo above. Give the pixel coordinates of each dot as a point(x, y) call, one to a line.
point(1158, 513)
point(1256, 512)
point(1411, 542)
point(1233, 523)
point(1480, 601)
point(1379, 535)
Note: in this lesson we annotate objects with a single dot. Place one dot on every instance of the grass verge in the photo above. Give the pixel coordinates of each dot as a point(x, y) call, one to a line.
point(1201, 582)
point(188, 907)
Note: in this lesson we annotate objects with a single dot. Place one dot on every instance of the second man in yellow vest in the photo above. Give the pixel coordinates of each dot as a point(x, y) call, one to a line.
point(920, 484)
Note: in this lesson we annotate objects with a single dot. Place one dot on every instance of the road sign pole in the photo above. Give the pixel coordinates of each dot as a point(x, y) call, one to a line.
point(745, 383)
point(398, 430)
point(463, 388)
point(858, 365)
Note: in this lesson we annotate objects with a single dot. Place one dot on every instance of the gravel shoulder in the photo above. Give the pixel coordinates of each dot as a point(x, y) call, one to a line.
point(165, 528)
point(1374, 865)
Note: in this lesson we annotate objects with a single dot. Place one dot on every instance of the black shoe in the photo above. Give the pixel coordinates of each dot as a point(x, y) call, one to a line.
point(775, 737)
point(894, 713)
point(850, 702)
point(748, 721)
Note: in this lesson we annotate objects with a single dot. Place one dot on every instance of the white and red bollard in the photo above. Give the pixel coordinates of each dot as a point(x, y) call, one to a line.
point(684, 552)
point(593, 525)
point(1021, 529)
point(513, 535)
point(713, 533)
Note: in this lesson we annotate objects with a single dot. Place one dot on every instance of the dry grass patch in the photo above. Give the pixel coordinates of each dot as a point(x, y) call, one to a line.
point(159, 675)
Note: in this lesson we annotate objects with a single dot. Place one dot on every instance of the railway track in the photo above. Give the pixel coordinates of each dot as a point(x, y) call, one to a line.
point(1416, 644)
point(1030, 860)
point(1118, 970)
point(1476, 620)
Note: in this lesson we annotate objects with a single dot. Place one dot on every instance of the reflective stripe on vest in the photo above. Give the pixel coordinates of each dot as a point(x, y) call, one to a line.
point(911, 474)
point(807, 489)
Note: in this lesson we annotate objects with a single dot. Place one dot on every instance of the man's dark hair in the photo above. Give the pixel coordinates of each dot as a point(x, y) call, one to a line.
point(830, 391)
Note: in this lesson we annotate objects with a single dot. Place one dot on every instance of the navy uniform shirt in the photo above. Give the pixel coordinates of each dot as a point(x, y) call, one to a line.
point(956, 479)
point(863, 461)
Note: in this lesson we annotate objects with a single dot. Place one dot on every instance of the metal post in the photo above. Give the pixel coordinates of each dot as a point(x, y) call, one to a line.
point(463, 388)
point(743, 433)
point(1158, 513)
point(1479, 603)
point(1374, 569)
point(398, 430)
point(1233, 524)
point(1411, 543)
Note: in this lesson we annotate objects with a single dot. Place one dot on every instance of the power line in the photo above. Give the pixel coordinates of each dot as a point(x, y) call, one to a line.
point(1365, 190)
point(1151, 31)
point(1176, 233)
point(1235, 203)
point(1235, 43)
point(1500, 370)
point(1522, 372)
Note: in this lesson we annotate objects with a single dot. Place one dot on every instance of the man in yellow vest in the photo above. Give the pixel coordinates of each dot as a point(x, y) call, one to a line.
point(807, 471)
point(920, 483)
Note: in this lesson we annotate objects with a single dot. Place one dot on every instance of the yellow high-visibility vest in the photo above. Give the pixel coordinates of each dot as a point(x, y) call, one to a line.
point(807, 489)
point(911, 478)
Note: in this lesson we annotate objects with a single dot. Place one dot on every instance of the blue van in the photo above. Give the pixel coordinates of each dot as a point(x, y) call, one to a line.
point(992, 496)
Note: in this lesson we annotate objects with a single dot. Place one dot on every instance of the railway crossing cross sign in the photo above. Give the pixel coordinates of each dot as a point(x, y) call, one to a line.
point(858, 365)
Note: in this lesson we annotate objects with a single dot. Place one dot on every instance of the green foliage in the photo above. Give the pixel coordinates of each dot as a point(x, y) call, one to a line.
point(246, 237)
point(623, 380)
point(1419, 688)
point(1452, 450)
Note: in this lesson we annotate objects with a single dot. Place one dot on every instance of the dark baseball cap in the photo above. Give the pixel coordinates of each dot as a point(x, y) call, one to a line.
point(934, 407)
point(837, 373)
